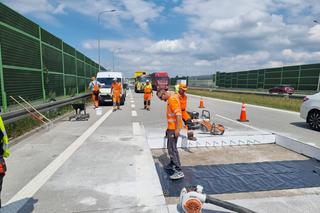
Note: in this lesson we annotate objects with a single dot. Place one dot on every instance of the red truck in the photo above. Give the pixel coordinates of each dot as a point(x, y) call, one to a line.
point(160, 80)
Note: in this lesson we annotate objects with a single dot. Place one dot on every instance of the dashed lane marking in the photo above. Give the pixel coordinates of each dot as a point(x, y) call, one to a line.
point(136, 129)
point(134, 113)
point(133, 106)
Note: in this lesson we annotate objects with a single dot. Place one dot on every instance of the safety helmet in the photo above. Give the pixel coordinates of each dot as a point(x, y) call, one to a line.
point(147, 81)
point(114, 79)
point(183, 87)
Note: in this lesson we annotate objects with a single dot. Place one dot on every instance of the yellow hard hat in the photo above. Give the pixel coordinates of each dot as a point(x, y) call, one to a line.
point(183, 87)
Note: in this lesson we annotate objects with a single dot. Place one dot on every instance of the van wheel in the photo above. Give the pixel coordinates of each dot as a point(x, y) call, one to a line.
point(313, 119)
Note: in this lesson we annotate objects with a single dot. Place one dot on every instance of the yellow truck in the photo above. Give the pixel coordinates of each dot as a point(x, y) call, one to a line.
point(140, 81)
point(139, 73)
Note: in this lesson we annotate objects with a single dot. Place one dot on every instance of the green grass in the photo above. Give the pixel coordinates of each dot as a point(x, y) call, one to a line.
point(274, 102)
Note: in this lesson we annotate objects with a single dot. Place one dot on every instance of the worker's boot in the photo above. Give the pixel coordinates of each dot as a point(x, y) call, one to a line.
point(190, 136)
point(148, 107)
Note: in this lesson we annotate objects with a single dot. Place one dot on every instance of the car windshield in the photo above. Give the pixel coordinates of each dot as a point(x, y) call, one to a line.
point(106, 82)
point(143, 79)
point(162, 78)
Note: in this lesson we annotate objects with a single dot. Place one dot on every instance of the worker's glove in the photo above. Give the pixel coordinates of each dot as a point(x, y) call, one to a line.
point(6, 153)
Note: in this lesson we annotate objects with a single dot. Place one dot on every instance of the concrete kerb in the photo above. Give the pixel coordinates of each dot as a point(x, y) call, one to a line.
point(151, 196)
point(298, 146)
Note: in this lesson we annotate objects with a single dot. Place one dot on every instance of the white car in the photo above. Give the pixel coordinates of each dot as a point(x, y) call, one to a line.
point(310, 110)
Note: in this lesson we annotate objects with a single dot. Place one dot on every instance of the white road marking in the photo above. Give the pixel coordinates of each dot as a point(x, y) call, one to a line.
point(251, 105)
point(136, 129)
point(240, 123)
point(132, 101)
point(134, 113)
point(21, 197)
point(133, 106)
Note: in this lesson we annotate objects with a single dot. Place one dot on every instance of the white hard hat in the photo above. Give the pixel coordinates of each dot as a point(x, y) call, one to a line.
point(114, 78)
point(147, 80)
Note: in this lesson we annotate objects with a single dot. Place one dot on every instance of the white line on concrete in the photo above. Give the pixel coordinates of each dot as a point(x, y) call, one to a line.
point(251, 105)
point(133, 106)
point(134, 113)
point(132, 101)
point(136, 129)
point(241, 123)
point(21, 197)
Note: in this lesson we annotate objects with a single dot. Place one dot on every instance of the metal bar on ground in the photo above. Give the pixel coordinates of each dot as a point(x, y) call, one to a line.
point(31, 113)
point(35, 109)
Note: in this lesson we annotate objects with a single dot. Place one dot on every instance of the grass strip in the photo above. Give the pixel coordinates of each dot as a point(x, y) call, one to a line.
point(274, 102)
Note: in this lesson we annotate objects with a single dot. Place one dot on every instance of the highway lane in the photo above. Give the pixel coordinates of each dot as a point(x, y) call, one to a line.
point(102, 165)
point(273, 120)
point(112, 165)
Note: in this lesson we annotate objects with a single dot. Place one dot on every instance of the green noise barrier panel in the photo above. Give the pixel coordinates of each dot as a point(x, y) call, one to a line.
point(301, 77)
point(26, 84)
point(37, 65)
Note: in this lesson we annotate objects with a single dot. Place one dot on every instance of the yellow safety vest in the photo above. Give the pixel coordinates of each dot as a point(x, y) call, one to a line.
point(176, 88)
point(5, 139)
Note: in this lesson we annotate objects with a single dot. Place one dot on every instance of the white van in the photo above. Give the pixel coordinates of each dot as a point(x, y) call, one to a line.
point(105, 79)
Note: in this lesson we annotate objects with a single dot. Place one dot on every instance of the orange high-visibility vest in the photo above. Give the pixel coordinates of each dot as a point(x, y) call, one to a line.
point(183, 104)
point(116, 88)
point(173, 109)
point(147, 92)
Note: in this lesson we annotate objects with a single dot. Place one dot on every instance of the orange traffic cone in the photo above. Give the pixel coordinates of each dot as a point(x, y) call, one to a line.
point(243, 114)
point(201, 105)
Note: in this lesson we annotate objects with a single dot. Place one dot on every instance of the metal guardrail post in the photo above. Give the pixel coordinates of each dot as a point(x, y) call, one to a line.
point(3, 93)
point(42, 68)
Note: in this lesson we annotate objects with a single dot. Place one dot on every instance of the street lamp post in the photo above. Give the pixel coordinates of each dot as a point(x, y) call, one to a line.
point(119, 48)
point(105, 11)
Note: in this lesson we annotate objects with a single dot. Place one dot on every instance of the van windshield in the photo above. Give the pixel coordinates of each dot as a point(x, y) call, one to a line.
point(106, 82)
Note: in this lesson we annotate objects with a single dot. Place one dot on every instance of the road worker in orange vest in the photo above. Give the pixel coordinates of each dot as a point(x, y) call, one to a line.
point(147, 95)
point(94, 86)
point(173, 131)
point(185, 115)
point(116, 91)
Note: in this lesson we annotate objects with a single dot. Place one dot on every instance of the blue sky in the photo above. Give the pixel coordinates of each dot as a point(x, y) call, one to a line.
point(184, 37)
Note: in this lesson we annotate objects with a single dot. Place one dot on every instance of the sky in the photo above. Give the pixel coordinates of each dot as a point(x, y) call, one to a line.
point(184, 37)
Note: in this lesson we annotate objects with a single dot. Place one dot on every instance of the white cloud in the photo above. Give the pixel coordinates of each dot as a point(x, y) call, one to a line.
point(314, 33)
point(301, 56)
point(202, 63)
point(166, 46)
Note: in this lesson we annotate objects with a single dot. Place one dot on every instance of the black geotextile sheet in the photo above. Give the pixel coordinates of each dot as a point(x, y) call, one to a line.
point(244, 177)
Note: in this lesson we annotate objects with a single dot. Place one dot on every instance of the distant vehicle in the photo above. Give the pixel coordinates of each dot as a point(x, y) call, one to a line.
point(282, 89)
point(310, 110)
point(139, 73)
point(106, 79)
point(160, 80)
point(140, 81)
